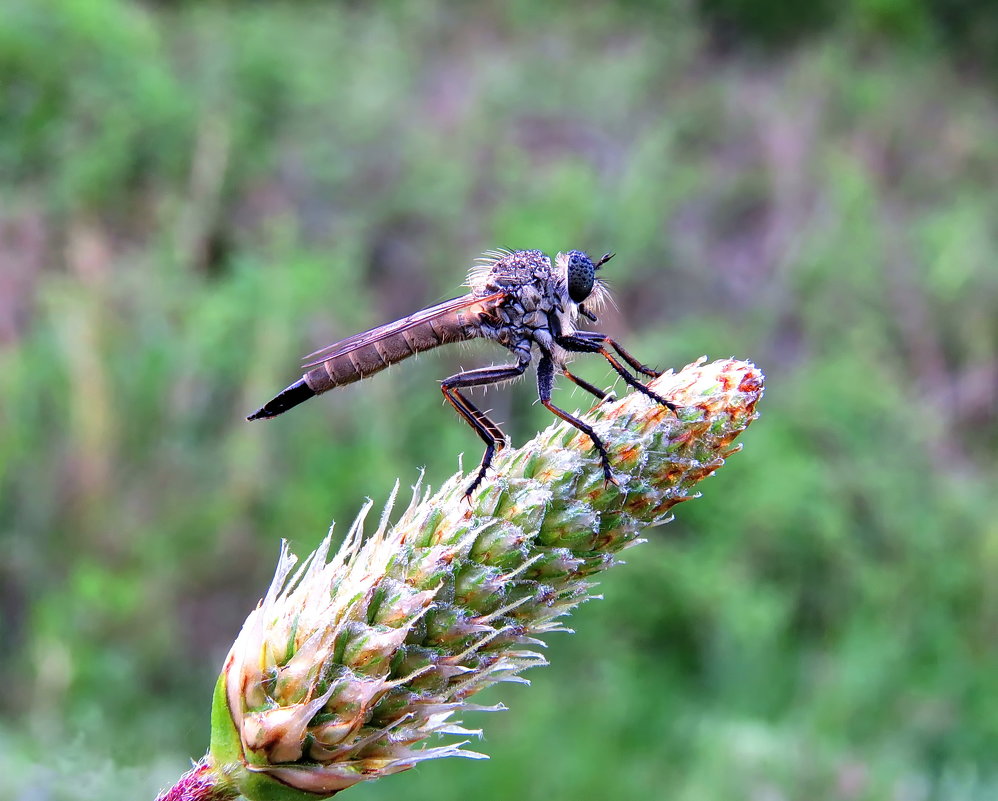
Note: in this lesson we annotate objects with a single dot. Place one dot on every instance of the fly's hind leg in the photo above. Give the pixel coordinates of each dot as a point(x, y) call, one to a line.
point(490, 433)
point(545, 382)
point(593, 342)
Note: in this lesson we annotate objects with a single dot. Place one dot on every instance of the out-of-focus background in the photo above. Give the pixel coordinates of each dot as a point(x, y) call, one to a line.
point(194, 194)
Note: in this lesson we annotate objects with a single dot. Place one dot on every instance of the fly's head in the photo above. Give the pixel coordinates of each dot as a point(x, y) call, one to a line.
point(581, 282)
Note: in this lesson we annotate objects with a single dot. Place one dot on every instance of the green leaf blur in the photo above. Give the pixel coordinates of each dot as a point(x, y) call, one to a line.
point(194, 194)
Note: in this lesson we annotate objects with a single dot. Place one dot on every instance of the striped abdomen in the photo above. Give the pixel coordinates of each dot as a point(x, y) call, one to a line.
point(384, 349)
point(371, 352)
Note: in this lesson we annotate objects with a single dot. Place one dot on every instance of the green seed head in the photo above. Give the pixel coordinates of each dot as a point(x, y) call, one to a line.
point(352, 661)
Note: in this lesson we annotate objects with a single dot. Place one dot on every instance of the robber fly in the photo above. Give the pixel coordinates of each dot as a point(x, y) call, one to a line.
point(518, 299)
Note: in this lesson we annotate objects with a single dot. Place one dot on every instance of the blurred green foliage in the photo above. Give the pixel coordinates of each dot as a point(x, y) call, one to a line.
point(194, 194)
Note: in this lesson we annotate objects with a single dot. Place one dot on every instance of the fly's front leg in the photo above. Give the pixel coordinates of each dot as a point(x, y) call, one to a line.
point(490, 433)
point(593, 342)
point(595, 336)
point(545, 382)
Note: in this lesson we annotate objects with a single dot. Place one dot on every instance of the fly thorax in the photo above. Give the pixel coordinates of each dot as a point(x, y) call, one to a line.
point(535, 319)
point(535, 297)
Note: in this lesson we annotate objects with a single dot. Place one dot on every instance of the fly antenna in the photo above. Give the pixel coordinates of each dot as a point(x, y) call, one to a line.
point(605, 258)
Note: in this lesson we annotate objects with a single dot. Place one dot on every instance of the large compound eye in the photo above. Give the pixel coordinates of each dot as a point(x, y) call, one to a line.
point(581, 275)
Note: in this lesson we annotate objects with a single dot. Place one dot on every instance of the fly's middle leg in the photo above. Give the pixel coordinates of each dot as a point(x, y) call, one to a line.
point(488, 431)
point(590, 388)
point(593, 342)
point(545, 382)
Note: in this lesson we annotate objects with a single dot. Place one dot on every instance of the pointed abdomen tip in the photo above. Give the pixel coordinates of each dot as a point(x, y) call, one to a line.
point(297, 393)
